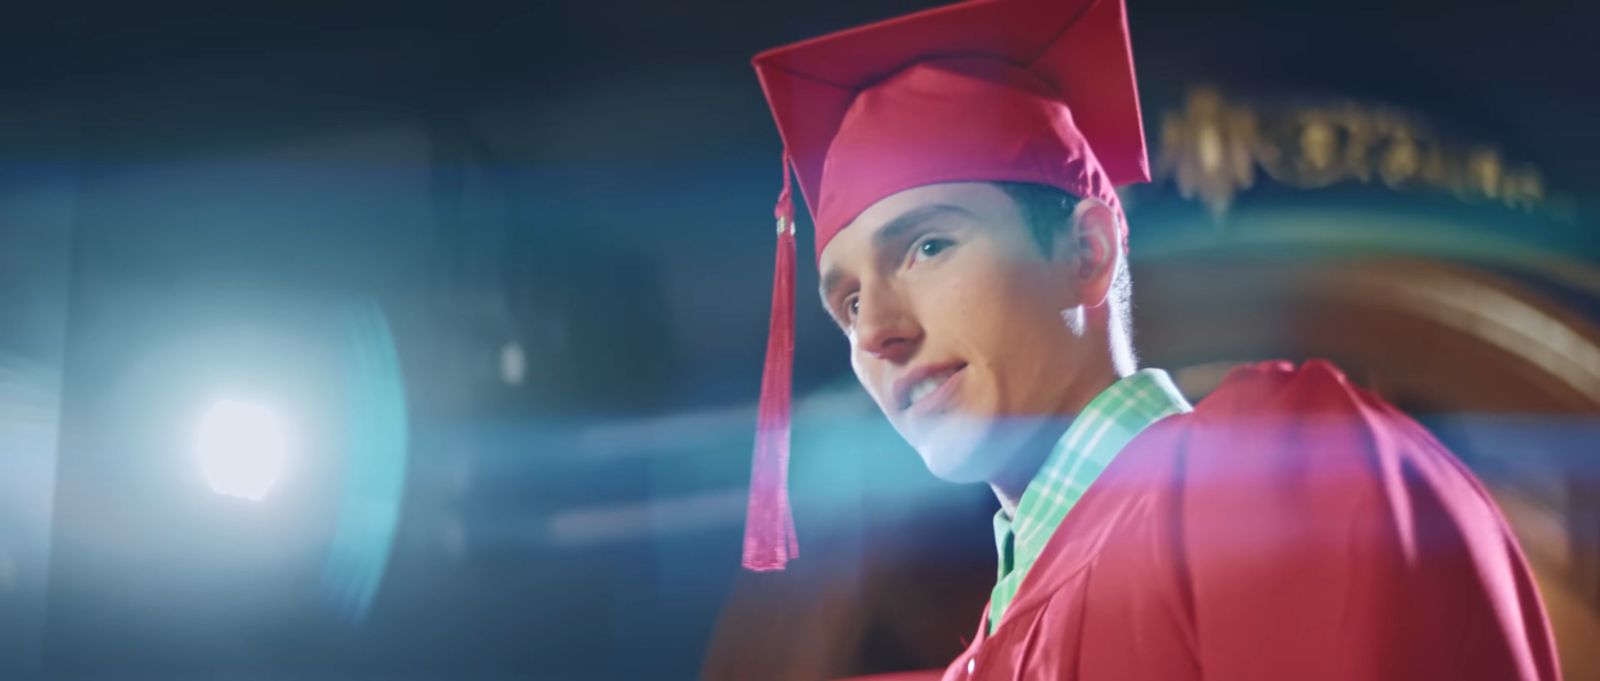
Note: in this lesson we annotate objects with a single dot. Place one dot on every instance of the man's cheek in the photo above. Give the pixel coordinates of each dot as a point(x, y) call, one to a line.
point(867, 378)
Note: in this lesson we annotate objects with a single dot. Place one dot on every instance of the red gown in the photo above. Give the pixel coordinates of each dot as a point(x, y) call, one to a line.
point(1291, 527)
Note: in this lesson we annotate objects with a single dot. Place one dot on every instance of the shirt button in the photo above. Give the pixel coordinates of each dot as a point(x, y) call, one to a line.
point(972, 663)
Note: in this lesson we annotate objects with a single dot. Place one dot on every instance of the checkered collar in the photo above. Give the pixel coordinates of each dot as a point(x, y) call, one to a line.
point(1101, 430)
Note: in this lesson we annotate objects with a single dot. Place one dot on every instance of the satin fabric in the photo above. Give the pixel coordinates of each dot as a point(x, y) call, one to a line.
point(1291, 527)
point(1038, 91)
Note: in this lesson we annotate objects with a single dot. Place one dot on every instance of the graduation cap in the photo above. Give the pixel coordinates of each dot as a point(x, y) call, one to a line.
point(1034, 91)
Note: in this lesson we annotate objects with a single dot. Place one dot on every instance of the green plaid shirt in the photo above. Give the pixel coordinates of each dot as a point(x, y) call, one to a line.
point(1110, 420)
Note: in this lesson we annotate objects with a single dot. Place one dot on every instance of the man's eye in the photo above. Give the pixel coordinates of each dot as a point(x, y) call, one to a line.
point(852, 308)
point(933, 247)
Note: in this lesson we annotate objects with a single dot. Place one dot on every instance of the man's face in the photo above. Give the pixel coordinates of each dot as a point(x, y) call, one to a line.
point(954, 318)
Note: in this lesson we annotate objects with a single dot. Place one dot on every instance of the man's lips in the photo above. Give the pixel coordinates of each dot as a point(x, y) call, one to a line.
point(926, 387)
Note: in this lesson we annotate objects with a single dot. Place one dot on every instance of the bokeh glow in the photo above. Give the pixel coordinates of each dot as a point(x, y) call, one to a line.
point(242, 448)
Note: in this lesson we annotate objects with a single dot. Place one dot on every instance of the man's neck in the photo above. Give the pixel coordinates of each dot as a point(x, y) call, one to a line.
point(1012, 481)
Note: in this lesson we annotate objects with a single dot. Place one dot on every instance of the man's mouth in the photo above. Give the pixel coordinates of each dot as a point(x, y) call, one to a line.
point(926, 387)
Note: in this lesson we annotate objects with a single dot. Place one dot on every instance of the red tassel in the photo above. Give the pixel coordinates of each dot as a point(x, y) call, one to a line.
point(769, 539)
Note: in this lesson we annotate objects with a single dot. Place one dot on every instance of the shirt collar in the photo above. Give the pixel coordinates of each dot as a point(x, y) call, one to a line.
point(1101, 430)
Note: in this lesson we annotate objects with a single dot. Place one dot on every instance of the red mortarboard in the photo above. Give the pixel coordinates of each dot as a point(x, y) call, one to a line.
point(1037, 91)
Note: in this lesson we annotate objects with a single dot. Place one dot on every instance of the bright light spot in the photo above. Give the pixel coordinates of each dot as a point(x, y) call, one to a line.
point(242, 448)
point(513, 363)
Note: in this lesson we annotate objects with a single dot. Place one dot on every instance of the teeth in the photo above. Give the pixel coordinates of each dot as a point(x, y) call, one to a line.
point(924, 386)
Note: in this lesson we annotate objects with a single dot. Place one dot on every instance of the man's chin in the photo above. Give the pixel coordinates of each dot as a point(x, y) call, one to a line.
point(968, 450)
point(960, 468)
point(954, 452)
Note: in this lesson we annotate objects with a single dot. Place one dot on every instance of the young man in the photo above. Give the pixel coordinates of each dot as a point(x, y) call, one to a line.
point(960, 167)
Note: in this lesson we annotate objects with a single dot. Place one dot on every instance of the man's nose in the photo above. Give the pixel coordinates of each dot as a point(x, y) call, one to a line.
point(886, 329)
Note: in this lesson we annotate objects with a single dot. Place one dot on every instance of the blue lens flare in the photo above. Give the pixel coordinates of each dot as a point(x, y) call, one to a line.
point(376, 458)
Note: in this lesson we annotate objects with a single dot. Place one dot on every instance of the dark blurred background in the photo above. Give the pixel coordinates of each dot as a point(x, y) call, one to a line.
point(483, 288)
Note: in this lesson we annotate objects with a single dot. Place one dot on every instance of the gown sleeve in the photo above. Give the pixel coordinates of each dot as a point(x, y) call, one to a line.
point(1325, 535)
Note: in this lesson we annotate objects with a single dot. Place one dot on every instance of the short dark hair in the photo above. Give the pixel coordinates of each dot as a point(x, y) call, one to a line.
point(1047, 209)
point(1044, 208)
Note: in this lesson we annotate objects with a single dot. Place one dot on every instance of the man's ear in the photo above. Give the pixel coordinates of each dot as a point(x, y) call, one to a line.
point(1096, 237)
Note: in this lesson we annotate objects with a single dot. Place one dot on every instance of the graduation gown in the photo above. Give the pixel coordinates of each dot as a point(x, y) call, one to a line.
point(1290, 527)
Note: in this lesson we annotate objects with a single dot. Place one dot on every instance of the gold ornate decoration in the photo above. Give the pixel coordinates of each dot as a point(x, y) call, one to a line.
point(1213, 149)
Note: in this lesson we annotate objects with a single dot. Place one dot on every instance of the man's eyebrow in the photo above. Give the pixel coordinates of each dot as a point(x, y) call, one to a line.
point(892, 230)
point(829, 282)
point(888, 234)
